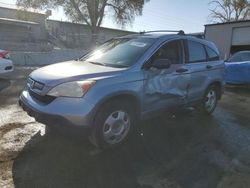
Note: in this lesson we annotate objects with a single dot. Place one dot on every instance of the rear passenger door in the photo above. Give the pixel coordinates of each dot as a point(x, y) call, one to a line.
point(201, 60)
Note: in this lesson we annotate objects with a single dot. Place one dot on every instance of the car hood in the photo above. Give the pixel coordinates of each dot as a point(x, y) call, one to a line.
point(71, 71)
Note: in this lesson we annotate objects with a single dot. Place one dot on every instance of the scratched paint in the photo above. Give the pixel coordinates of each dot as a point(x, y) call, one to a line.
point(165, 88)
point(165, 83)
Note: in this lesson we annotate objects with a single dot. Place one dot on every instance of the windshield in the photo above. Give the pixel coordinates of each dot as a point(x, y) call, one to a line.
point(122, 52)
point(240, 57)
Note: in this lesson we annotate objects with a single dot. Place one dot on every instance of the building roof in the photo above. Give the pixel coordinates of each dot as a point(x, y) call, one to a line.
point(85, 25)
point(15, 8)
point(224, 23)
point(8, 20)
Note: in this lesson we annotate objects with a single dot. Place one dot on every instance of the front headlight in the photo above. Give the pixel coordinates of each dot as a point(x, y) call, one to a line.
point(71, 89)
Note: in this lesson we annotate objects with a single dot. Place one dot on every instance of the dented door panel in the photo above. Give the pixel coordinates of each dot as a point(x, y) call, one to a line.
point(165, 88)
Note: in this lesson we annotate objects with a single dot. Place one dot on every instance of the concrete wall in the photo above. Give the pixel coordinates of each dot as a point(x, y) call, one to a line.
point(23, 31)
point(221, 35)
point(37, 29)
point(16, 36)
point(23, 15)
point(45, 58)
point(20, 32)
point(78, 35)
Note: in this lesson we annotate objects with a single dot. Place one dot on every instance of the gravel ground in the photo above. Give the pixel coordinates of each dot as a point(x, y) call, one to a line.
point(179, 150)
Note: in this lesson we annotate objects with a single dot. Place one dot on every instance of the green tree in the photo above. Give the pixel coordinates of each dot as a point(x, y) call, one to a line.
point(229, 10)
point(91, 12)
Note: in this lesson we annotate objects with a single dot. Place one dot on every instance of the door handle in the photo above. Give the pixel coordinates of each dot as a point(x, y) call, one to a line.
point(209, 66)
point(181, 70)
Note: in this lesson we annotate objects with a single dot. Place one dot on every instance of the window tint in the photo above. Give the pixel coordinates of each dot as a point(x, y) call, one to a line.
point(171, 51)
point(212, 55)
point(196, 52)
point(240, 57)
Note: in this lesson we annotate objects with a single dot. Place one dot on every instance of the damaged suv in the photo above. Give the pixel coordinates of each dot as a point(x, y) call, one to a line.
point(124, 80)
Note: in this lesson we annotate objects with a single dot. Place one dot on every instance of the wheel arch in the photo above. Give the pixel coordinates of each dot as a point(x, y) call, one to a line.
point(124, 96)
point(219, 87)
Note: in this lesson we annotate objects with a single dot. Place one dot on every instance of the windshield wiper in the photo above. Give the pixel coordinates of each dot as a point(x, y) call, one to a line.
point(97, 63)
point(108, 65)
point(117, 65)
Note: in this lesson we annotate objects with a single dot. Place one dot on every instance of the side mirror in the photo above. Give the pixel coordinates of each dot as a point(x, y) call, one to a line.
point(162, 63)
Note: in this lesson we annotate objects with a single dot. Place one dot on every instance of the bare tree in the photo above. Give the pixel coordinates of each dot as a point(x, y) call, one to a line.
point(229, 10)
point(91, 12)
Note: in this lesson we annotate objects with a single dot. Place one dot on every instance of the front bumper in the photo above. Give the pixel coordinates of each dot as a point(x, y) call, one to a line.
point(62, 111)
point(6, 68)
point(7, 74)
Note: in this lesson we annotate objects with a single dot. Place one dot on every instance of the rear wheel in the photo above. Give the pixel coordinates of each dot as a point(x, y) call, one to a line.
point(112, 125)
point(210, 100)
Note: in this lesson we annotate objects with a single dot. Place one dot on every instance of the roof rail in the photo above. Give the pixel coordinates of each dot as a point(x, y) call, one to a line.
point(179, 32)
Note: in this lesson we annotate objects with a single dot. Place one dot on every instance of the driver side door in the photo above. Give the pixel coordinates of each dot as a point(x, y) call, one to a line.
point(165, 88)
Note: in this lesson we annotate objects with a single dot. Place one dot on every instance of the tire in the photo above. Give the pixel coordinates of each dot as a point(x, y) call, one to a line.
point(112, 125)
point(209, 101)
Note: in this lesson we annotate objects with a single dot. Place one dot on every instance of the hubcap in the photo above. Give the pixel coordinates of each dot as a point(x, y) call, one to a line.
point(210, 100)
point(116, 127)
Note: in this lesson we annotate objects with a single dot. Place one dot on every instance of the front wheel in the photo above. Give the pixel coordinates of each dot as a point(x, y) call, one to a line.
point(112, 125)
point(210, 100)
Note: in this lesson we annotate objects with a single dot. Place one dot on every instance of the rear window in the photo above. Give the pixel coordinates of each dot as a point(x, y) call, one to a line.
point(196, 52)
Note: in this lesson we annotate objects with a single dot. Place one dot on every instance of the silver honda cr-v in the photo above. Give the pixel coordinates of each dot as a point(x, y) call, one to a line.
point(124, 80)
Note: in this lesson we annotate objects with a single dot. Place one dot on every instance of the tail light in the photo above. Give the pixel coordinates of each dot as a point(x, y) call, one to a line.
point(4, 54)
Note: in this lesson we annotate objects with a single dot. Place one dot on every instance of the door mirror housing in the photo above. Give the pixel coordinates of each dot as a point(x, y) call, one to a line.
point(162, 63)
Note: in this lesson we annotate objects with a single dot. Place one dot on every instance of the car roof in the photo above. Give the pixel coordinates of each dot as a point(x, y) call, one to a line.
point(150, 35)
point(167, 36)
point(161, 35)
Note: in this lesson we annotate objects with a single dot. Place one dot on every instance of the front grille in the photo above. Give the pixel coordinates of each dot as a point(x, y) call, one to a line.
point(44, 99)
point(32, 84)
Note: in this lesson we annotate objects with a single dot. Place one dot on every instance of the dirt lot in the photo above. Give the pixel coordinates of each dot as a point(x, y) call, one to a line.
point(181, 150)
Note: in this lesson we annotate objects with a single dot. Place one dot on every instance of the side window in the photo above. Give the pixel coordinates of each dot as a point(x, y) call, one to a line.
point(196, 52)
point(235, 58)
point(240, 57)
point(212, 55)
point(171, 50)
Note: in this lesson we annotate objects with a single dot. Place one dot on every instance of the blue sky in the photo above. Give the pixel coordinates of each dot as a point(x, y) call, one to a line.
point(188, 15)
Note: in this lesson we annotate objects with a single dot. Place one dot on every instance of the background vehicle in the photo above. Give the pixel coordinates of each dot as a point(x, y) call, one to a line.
point(237, 68)
point(126, 79)
point(6, 65)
